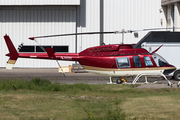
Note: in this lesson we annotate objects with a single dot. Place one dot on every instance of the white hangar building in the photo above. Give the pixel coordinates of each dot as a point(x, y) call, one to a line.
point(21, 19)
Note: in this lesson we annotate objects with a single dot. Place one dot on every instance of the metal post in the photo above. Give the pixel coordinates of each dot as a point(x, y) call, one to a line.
point(146, 81)
point(110, 80)
point(122, 36)
point(101, 21)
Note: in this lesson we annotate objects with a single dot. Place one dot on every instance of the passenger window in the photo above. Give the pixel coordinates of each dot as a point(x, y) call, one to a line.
point(123, 62)
point(137, 61)
point(148, 61)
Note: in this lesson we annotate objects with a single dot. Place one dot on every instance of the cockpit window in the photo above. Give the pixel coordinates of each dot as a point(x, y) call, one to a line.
point(160, 61)
point(148, 61)
point(123, 62)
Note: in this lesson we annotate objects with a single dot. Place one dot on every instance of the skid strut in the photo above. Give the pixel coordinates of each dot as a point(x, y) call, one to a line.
point(110, 80)
point(178, 84)
point(148, 74)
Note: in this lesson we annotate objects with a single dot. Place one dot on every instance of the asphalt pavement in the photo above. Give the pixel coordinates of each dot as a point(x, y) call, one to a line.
point(72, 78)
point(53, 75)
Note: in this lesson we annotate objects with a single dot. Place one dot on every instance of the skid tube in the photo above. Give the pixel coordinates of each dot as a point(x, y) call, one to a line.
point(149, 74)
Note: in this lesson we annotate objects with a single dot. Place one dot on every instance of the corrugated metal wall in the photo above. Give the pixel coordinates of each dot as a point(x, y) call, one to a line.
point(89, 21)
point(130, 15)
point(118, 15)
point(20, 23)
point(39, 2)
point(169, 2)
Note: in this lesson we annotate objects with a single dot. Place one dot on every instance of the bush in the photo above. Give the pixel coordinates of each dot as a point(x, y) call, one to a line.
point(39, 84)
point(34, 84)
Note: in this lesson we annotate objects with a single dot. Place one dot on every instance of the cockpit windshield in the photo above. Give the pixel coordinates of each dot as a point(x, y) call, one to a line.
point(160, 61)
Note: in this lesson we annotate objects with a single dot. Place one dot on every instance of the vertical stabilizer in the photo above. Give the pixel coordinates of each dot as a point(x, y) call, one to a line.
point(12, 53)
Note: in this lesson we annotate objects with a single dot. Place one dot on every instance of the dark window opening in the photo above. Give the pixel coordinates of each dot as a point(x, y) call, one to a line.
point(161, 63)
point(137, 61)
point(61, 48)
point(38, 48)
point(27, 49)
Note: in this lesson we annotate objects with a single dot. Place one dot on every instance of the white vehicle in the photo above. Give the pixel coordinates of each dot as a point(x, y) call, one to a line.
point(170, 52)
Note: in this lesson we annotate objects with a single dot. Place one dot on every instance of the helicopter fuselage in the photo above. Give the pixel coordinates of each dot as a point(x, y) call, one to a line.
point(111, 60)
point(123, 60)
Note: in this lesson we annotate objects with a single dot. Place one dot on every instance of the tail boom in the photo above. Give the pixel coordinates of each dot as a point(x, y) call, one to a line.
point(51, 55)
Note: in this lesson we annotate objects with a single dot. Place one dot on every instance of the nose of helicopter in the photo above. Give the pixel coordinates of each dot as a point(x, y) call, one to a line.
point(169, 69)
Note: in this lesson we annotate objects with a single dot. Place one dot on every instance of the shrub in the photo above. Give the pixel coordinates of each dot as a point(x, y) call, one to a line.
point(39, 84)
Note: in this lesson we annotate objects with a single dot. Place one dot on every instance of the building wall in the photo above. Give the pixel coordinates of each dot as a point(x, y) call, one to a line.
point(77, 16)
point(130, 15)
point(89, 21)
point(177, 16)
point(39, 2)
point(20, 23)
point(118, 15)
point(171, 14)
point(168, 2)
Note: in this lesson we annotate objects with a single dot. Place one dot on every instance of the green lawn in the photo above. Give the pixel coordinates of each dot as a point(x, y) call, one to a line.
point(40, 99)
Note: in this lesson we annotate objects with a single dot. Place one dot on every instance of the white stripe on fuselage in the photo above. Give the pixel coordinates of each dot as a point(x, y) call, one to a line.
point(126, 71)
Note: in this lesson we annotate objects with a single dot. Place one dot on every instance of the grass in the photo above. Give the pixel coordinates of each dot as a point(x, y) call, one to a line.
point(41, 99)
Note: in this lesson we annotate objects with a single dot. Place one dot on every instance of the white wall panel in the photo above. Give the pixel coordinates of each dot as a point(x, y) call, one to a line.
point(22, 23)
point(89, 21)
point(118, 15)
point(130, 15)
point(39, 2)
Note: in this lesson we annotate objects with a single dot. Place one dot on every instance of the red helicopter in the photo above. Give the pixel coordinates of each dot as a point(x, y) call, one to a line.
point(116, 60)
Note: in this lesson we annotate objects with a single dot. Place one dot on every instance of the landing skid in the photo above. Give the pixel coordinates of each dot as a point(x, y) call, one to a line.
point(143, 74)
point(150, 74)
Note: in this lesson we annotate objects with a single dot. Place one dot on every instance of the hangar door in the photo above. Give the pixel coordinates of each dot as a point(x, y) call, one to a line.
point(20, 23)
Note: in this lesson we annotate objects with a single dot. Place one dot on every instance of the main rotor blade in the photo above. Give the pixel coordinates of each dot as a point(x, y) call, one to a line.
point(127, 31)
point(32, 38)
point(155, 29)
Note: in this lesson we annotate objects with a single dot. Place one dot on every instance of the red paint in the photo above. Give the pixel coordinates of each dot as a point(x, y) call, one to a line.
point(99, 56)
point(31, 38)
point(13, 53)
